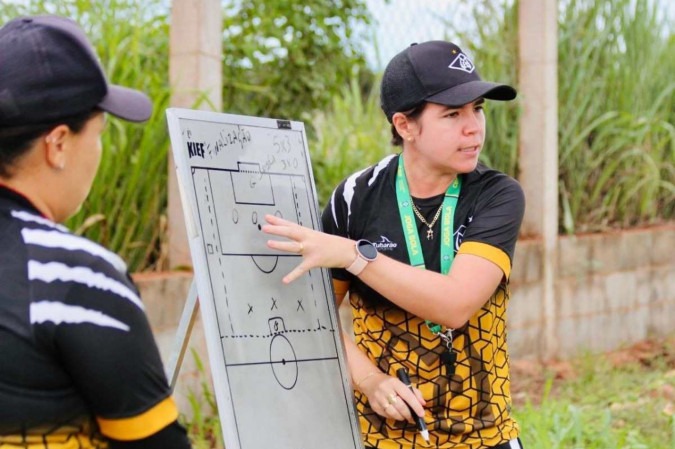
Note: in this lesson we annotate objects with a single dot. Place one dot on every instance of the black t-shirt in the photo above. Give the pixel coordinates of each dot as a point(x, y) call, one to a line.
point(364, 206)
point(77, 354)
point(469, 409)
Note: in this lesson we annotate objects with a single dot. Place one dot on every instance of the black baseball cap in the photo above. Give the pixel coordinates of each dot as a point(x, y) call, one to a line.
point(436, 72)
point(49, 71)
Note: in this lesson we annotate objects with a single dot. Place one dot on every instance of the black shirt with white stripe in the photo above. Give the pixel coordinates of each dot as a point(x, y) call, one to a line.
point(76, 349)
point(469, 405)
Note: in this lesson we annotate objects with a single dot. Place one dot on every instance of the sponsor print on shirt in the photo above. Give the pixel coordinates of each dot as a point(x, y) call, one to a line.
point(384, 244)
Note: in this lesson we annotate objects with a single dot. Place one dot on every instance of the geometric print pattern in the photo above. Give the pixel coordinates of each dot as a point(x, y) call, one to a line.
point(469, 410)
point(65, 436)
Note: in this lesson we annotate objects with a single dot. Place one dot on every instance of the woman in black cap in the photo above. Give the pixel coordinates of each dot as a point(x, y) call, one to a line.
point(423, 242)
point(80, 367)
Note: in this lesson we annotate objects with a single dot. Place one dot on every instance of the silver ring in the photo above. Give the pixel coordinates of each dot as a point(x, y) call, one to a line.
point(392, 399)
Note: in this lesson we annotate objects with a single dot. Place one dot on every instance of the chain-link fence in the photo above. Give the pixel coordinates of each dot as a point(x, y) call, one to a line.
point(398, 23)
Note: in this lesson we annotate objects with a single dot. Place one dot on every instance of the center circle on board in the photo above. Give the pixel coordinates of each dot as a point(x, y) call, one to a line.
point(283, 361)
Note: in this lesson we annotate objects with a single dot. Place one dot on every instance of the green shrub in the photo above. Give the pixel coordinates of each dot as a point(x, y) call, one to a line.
point(285, 59)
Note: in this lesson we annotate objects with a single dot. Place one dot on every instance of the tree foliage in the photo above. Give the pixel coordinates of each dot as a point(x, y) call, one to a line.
point(284, 58)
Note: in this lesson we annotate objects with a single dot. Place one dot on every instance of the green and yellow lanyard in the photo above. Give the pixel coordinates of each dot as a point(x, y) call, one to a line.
point(415, 254)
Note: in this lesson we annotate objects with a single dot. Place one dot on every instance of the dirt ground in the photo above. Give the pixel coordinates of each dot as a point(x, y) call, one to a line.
point(528, 378)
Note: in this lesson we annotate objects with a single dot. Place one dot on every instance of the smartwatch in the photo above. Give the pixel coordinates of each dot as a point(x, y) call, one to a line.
point(365, 253)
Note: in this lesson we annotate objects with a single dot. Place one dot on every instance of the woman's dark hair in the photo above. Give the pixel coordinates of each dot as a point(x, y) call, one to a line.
point(414, 113)
point(16, 141)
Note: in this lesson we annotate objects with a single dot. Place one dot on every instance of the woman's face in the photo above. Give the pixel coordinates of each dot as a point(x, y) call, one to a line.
point(84, 157)
point(451, 138)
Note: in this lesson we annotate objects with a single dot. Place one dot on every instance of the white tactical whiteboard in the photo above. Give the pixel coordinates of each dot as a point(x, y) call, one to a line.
point(276, 355)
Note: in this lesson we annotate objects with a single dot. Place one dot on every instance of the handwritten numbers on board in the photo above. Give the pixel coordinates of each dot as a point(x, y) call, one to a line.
point(283, 149)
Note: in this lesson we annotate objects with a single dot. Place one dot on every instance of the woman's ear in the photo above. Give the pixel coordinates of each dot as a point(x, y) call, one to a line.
point(404, 125)
point(56, 146)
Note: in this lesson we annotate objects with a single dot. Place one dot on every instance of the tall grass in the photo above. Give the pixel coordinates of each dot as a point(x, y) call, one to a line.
point(126, 207)
point(616, 93)
point(492, 42)
point(616, 62)
point(352, 134)
point(617, 90)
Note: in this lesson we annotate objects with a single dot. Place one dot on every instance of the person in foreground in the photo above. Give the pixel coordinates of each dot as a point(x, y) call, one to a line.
point(423, 242)
point(80, 368)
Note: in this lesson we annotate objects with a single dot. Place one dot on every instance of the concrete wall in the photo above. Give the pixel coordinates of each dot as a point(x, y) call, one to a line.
point(611, 290)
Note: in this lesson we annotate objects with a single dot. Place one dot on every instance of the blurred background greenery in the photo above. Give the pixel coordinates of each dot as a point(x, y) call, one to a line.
point(312, 61)
point(306, 61)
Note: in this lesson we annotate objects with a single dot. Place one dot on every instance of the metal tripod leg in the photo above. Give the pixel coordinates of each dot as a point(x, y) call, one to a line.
point(187, 320)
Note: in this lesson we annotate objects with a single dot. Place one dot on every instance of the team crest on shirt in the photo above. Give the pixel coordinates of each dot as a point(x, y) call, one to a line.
point(462, 62)
point(459, 236)
point(384, 244)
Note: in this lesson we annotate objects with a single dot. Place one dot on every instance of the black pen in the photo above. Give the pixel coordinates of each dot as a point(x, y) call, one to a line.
point(402, 375)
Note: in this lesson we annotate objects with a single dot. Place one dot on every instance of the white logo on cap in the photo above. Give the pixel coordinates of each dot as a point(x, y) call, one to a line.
point(462, 62)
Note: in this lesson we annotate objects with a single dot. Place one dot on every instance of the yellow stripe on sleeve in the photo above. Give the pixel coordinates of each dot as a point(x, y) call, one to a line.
point(140, 426)
point(489, 252)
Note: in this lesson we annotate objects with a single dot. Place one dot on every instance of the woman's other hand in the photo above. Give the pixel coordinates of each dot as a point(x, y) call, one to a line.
point(389, 397)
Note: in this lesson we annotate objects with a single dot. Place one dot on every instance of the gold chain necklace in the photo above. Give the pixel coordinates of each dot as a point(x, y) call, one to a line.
point(430, 232)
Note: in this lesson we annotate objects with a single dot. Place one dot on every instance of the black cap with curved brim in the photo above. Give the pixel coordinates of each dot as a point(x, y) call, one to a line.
point(437, 72)
point(49, 71)
point(125, 103)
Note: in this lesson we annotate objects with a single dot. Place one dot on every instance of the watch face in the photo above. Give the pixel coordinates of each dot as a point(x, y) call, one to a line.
point(367, 249)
